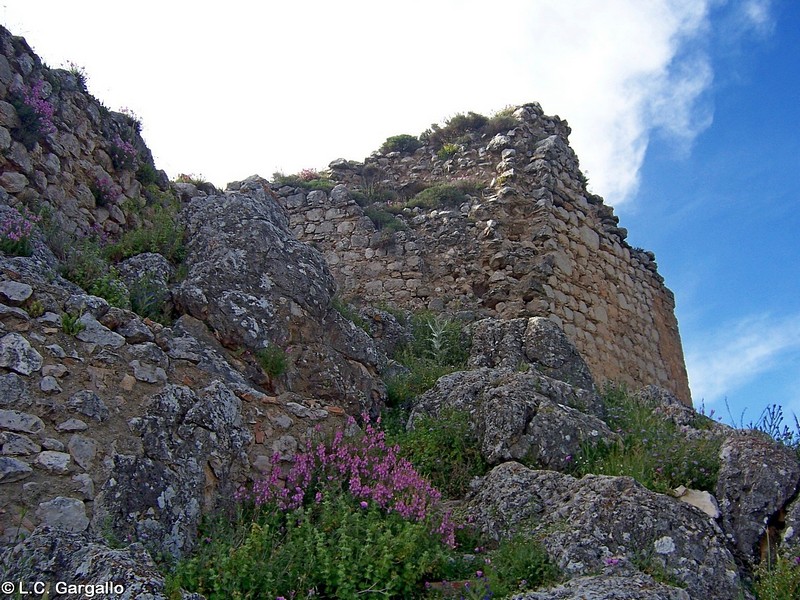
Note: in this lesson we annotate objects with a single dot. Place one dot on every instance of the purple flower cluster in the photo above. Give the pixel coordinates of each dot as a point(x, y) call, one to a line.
point(15, 232)
point(123, 154)
point(309, 174)
point(105, 190)
point(367, 468)
point(34, 98)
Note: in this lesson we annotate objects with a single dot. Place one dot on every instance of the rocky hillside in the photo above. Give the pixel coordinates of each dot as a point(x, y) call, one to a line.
point(164, 345)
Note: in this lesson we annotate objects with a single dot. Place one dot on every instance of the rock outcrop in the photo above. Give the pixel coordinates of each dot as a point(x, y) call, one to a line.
point(254, 284)
point(77, 565)
point(588, 524)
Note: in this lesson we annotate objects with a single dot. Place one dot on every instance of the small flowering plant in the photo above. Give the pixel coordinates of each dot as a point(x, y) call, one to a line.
point(124, 154)
point(104, 190)
point(365, 468)
point(35, 114)
point(309, 174)
point(15, 232)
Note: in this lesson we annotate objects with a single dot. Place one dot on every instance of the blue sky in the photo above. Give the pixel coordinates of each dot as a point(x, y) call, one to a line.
point(722, 218)
point(684, 113)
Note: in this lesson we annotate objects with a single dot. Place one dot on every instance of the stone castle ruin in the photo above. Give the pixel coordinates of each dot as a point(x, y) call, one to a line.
point(532, 242)
point(144, 380)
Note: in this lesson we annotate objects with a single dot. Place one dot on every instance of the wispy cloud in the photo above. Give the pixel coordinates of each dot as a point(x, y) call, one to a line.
point(735, 355)
point(295, 85)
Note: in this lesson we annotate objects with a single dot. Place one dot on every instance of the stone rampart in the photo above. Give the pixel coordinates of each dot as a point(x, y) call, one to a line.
point(534, 242)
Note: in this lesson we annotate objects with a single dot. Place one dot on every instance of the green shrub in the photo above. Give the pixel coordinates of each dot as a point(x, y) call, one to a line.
point(778, 579)
point(84, 264)
point(304, 180)
point(401, 143)
point(444, 450)
point(462, 127)
point(653, 450)
point(382, 219)
point(422, 376)
point(438, 347)
point(146, 174)
point(442, 195)
point(325, 185)
point(148, 300)
point(454, 129)
point(35, 308)
point(163, 235)
point(273, 360)
point(71, 325)
point(519, 563)
point(500, 123)
point(109, 287)
point(447, 151)
point(335, 548)
point(350, 518)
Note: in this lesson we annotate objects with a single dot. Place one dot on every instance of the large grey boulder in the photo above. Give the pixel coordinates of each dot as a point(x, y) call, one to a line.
point(520, 415)
point(757, 479)
point(387, 332)
point(536, 341)
point(193, 458)
point(255, 285)
point(52, 555)
point(586, 524)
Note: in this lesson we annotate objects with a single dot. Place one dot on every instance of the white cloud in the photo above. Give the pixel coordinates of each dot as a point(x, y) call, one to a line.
point(757, 15)
point(229, 90)
point(738, 353)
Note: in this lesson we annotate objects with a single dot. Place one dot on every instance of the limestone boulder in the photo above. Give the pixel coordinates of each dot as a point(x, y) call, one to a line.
point(193, 458)
point(757, 479)
point(589, 524)
point(385, 329)
point(520, 415)
point(255, 285)
point(53, 555)
point(790, 536)
point(536, 341)
point(17, 354)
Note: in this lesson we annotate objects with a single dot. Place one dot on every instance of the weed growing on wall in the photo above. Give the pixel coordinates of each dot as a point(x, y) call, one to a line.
point(439, 346)
point(444, 450)
point(16, 229)
point(273, 360)
point(654, 450)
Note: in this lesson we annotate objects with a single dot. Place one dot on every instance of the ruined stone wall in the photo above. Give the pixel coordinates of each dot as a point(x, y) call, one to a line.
point(534, 242)
point(55, 164)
